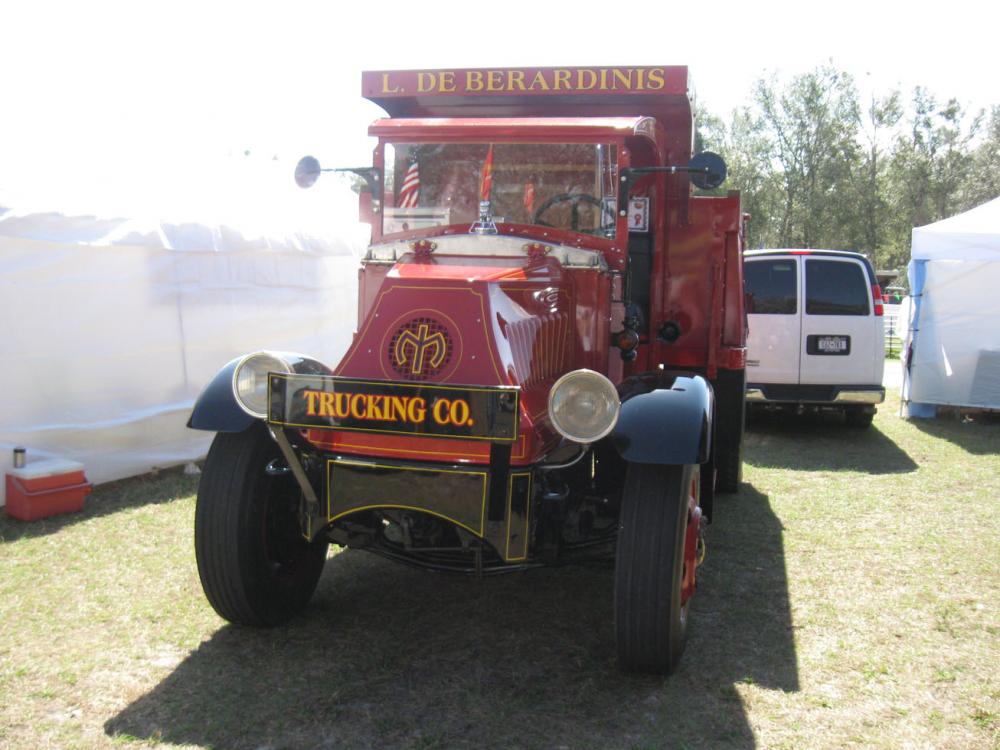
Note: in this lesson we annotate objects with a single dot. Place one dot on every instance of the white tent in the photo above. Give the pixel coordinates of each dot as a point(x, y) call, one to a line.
point(953, 341)
point(112, 326)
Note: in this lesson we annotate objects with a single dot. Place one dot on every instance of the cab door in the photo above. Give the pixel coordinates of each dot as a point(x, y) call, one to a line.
point(839, 339)
point(775, 326)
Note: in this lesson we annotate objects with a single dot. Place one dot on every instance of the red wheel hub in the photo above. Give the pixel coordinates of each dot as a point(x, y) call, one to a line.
point(691, 538)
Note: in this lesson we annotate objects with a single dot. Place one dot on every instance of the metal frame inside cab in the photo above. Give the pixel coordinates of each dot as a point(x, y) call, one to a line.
point(549, 360)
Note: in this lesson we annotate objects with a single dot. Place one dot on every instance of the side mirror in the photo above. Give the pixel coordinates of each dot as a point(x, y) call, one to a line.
point(307, 171)
point(707, 170)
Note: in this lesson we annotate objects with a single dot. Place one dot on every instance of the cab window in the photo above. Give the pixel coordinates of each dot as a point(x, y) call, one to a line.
point(835, 287)
point(773, 286)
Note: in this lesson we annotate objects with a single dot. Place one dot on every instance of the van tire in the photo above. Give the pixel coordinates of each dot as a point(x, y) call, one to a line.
point(859, 418)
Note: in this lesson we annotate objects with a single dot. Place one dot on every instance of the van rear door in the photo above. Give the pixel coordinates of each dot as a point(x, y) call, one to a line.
point(774, 322)
point(839, 337)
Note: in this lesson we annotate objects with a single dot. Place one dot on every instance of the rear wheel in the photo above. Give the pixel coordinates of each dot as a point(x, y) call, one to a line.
point(255, 566)
point(730, 425)
point(655, 565)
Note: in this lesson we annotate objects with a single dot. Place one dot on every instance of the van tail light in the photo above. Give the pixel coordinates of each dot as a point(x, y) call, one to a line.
point(877, 299)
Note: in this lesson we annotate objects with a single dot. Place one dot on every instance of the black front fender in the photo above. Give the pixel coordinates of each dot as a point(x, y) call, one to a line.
point(216, 409)
point(665, 421)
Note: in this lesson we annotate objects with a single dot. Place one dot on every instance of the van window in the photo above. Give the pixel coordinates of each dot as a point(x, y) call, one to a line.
point(772, 285)
point(835, 287)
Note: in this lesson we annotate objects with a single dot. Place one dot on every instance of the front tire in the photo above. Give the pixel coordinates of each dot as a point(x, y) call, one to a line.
point(255, 566)
point(655, 565)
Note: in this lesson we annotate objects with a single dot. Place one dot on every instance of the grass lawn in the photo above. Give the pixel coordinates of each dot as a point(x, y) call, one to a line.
point(850, 598)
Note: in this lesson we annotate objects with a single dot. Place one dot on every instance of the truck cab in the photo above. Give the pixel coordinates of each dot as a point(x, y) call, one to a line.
point(549, 361)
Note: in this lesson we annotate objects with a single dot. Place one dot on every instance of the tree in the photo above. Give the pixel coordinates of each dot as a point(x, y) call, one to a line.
point(870, 176)
point(812, 126)
point(747, 150)
point(983, 183)
point(930, 168)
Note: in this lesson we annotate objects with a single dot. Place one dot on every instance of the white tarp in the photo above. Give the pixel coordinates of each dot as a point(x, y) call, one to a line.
point(112, 327)
point(953, 341)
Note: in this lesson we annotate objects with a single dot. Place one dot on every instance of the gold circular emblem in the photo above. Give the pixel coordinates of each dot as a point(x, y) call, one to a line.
point(420, 349)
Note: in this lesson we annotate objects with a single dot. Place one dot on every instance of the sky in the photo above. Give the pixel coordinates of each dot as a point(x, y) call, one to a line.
point(192, 106)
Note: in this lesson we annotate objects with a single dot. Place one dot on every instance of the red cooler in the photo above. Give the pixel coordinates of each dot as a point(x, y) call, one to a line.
point(45, 488)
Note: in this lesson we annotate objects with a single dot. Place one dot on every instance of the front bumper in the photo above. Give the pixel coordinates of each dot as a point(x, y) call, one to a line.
point(823, 395)
point(491, 501)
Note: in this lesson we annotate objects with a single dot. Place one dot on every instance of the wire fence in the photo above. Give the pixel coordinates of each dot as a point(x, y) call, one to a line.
point(893, 331)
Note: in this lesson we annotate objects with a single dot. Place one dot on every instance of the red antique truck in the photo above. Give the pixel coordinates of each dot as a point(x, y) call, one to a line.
point(549, 357)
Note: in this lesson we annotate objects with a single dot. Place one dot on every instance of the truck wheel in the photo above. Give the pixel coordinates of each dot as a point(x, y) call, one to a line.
point(655, 565)
point(730, 426)
point(255, 566)
point(729, 468)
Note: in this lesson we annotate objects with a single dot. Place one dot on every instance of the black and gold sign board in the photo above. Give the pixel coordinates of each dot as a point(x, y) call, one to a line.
point(446, 411)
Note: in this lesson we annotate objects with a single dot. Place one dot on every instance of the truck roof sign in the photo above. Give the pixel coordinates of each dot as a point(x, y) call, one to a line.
point(660, 91)
point(593, 81)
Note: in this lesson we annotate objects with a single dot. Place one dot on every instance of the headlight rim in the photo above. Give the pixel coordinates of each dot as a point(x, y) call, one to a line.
point(611, 390)
point(275, 357)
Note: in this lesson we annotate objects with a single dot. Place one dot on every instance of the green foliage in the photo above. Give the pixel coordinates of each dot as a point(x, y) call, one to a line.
point(819, 169)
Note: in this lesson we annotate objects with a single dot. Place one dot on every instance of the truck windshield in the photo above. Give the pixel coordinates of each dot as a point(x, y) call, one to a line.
point(566, 186)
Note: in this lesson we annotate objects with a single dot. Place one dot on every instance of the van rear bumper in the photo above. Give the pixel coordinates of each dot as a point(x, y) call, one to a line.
point(790, 393)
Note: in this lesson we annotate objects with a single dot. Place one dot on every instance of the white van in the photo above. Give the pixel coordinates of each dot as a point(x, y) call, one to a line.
point(816, 335)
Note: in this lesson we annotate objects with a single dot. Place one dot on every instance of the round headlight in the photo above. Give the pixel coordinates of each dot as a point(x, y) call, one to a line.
point(250, 381)
point(583, 406)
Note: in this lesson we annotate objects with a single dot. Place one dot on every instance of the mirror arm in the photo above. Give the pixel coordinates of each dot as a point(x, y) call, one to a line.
point(371, 176)
point(630, 175)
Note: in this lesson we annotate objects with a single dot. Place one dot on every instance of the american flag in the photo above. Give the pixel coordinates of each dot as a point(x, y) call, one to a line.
point(410, 192)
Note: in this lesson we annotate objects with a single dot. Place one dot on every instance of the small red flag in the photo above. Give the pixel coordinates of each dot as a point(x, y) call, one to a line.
point(486, 184)
point(529, 197)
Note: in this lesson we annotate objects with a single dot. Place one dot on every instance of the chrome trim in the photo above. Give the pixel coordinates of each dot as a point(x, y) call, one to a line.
point(498, 246)
point(861, 397)
point(846, 396)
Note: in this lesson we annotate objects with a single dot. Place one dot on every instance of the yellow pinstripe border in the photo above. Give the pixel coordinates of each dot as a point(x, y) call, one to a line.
point(363, 464)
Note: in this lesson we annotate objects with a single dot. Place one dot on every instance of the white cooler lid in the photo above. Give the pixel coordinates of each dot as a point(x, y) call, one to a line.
point(45, 467)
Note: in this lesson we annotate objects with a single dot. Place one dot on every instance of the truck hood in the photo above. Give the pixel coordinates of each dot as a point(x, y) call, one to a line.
point(468, 320)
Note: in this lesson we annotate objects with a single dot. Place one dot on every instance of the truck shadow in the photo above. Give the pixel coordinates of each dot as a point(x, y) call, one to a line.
point(822, 442)
point(391, 657)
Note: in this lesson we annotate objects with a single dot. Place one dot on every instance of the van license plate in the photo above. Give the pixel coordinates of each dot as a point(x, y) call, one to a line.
point(832, 344)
